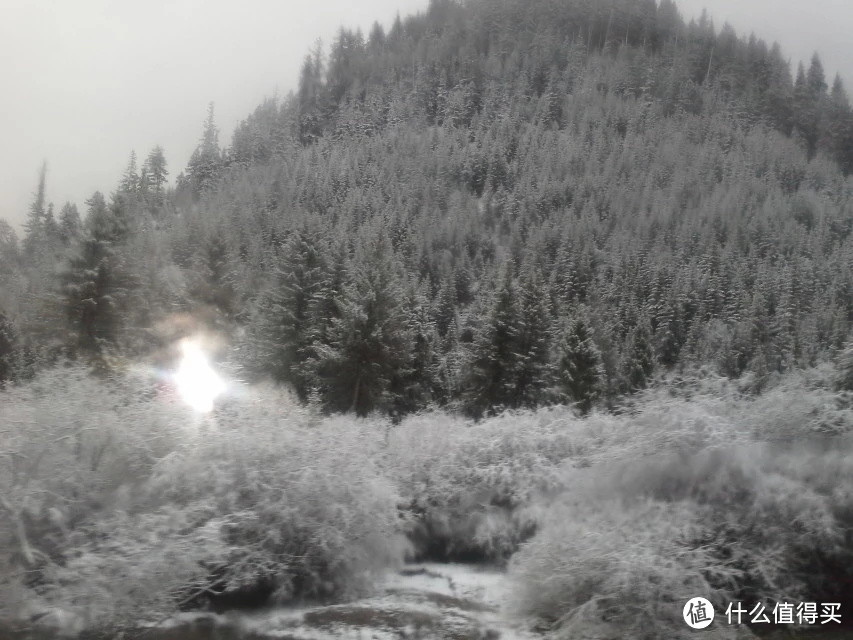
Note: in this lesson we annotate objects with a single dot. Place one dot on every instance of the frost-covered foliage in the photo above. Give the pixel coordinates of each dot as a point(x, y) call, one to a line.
point(124, 567)
point(477, 490)
point(308, 511)
point(734, 497)
point(469, 485)
point(121, 505)
point(617, 570)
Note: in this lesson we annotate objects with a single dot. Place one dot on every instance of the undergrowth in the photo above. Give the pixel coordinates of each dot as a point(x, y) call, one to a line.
point(609, 522)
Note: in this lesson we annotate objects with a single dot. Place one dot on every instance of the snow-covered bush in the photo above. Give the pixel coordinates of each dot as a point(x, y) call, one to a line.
point(619, 570)
point(307, 509)
point(470, 486)
point(632, 541)
point(120, 504)
point(476, 489)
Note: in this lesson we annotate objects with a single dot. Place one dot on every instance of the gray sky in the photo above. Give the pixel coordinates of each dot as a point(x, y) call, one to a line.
point(86, 81)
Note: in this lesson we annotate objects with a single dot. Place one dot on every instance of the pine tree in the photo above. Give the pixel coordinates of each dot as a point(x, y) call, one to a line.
point(444, 312)
point(325, 304)
point(283, 331)
point(370, 344)
point(69, 223)
point(130, 183)
point(9, 251)
point(8, 345)
point(667, 333)
point(156, 172)
point(419, 386)
point(206, 161)
point(816, 79)
point(34, 226)
point(310, 97)
point(495, 359)
point(216, 286)
point(839, 126)
point(376, 39)
point(809, 93)
point(639, 360)
point(580, 367)
point(534, 373)
point(51, 227)
point(94, 283)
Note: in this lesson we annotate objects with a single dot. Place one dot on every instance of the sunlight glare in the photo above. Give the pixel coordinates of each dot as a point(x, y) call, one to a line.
point(198, 384)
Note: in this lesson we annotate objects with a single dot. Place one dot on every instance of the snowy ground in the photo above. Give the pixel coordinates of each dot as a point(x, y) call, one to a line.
point(437, 601)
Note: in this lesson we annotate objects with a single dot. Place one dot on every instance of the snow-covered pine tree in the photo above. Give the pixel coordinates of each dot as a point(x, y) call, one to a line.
point(580, 368)
point(369, 345)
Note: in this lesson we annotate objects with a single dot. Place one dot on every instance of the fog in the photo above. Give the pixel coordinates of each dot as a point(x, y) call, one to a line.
point(86, 82)
point(801, 28)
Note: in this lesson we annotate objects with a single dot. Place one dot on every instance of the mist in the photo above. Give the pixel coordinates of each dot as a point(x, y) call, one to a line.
point(89, 81)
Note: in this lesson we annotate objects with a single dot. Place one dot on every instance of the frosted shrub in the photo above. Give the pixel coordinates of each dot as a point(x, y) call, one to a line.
point(470, 486)
point(632, 540)
point(791, 410)
point(70, 446)
point(126, 569)
point(307, 509)
point(475, 488)
point(121, 505)
point(619, 570)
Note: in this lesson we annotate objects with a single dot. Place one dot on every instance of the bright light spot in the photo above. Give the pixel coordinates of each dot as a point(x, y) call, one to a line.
point(198, 384)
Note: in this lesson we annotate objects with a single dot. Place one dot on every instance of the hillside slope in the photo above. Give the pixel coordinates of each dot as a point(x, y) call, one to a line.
point(495, 204)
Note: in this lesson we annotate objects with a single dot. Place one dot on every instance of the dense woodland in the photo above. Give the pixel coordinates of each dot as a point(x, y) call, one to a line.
point(493, 205)
point(536, 242)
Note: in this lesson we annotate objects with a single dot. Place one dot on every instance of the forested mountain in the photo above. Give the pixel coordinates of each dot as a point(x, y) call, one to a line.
point(495, 204)
point(586, 268)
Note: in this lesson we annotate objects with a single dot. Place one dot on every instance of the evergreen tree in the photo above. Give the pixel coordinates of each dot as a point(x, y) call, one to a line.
point(310, 96)
point(667, 334)
point(52, 231)
point(216, 287)
point(816, 79)
point(206, 161)
point(419, 386)
point(94, 283)
point(580, 367)
point(444, 313)
point(639, 360)
point(369, 345)
point(130, 182)
point(283, 332)
point(8, 344)
point(684, 223)
point(69, 223)
point(534, 374)
point(808, 92)
point(9, 258)
point(839, 127)
point(325, 304)
point(157, 168)
point(101, 221)
point(494, 366)
point(34, 226)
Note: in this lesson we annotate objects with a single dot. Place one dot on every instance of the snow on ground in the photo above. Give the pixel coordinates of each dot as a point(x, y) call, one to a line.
point(436, 601)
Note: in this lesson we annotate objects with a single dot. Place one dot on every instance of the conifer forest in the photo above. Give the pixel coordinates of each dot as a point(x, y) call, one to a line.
point(557, 291)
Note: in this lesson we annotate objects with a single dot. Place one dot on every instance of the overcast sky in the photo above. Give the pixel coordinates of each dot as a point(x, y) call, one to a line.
point(83, 82)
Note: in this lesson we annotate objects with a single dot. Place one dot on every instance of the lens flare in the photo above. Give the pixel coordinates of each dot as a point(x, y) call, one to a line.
point(198, 384)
